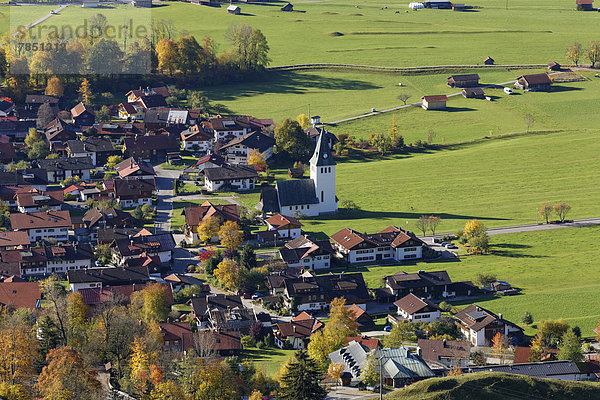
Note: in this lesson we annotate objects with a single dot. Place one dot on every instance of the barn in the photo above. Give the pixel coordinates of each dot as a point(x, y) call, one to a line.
point(585, 5)
point(534, 82)
point(473, 93)
point(287, 7)
point(554, 66)
point(488, 61)
point(462, 81)
point(438, 4)
point(437, 102)
point(234, 10)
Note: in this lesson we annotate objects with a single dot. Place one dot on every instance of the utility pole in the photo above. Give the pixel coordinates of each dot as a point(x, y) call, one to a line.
point(507, 4)
point(309, 112)
point(380, 378)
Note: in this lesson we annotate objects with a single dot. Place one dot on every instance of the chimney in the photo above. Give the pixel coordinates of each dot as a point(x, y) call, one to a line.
point(294, 328)
point(444, 343)
point(500, 315)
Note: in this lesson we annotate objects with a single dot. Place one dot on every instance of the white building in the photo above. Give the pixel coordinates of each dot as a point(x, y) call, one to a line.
point(479, 325)
point(414, 309)
point(311, 197)
point(305, 253)
point(230, 177)
point(238, 150)
point(197, 138)
point(43, 225)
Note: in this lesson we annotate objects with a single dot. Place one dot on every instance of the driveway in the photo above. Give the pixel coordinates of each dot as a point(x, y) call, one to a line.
point(165, 181)
point(349, 393)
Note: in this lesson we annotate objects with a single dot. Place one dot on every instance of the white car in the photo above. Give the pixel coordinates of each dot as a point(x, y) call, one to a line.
point(508, 90)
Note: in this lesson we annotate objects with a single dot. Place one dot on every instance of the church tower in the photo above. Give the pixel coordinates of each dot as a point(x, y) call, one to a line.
point(322, 173)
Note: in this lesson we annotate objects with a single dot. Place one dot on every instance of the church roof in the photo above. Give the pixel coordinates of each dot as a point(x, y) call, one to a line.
point(322, 156)
point(296, 192)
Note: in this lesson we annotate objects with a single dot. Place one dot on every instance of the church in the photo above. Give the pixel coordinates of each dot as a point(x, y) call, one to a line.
point(310, 197)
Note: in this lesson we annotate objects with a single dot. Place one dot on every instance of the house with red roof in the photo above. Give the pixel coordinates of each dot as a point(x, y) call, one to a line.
point(20, 295)
point(363, 320)
point(135, 169)
point(296, 333)
point(280, 227)
point(83, 115)
point(366, 341)
point(197, 138)
point(195, 215)
point(416, 309)
point(392, 243)
point(43, 225)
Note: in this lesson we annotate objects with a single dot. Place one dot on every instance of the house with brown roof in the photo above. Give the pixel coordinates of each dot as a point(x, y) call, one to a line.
point(98, 149)
point(473, 93)
point(14, 239)
point(107, 277)
point(20, 295)
point(135, 169)
point(585, 5)
point(432, 285)
point(7, 152)
point(221, 313)
point(153, 147)
point(228, 128)
point(195, 215)
point(197, 138)
point(463, 81)
point(230, 177)
point(416, 309)
point(280, 228)
point(363, 319)
point(83, 115)
point(296, 333)
point(59, 169)
point(116, 131)
point(58, 132)
point(160, 245)
point(392, 243)
point(554, 66)
point(436, 102)
point(238, 150)
point(34, 201)
point(136, 94)
point(365, 341)
point(181, 281)
point(306, 253)
point(177, 336)
point(448, 353)
point(479, 325)
point(132, 193)
point(23, 262)
point(43, 225)
point(534, 82)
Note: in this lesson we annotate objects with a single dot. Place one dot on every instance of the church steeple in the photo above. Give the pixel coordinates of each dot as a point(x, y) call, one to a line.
point(322, 156)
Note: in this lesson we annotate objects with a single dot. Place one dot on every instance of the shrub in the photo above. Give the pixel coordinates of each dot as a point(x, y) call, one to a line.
point(527, 318)
point(445, 306)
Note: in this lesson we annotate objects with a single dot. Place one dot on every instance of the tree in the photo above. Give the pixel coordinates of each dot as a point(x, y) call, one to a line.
point(46, 114)
point(138, 214)
point(104, 57)
point(145, 374)
point(478, 357)
point(85, 91)
point(455, 371)
point(152, 303)
point(258, 53)
point(370, 373)
point(248, 257)
point(403, 97)
point(335, 371)
point(112, 161)
point(573, 53)
point(485, 280)
point(527, 318)
point(403, 331)
point(77, 320)
point(208, 229)
point(68, 377)
point(570, 348)
point(168, 390)
point(228, 274)
point(147, 212)
point(500, 346)
point(197, 100)
point(48, 335)
point(257, 158)
point(103, 115)
point(562, 209)
point(38, 151)
point(473, 228)
point(529, 120)
point(210, 380)
point(423, 224)
point(551, 331)
point(545, 211)
point(189, 54)
point(255, 395)
point(13, 392)
point(33, 137)
point(166, 51)
point(302, 379)
point(291, 139)
point(247, 342)
point(54, 87)
point(230, 235)
point(303, 120)
point(538, 347)
point(479, 244)
point(433, 223)
point(593, 53)
point(383, 143)
point(54, 292)
point(19, 353)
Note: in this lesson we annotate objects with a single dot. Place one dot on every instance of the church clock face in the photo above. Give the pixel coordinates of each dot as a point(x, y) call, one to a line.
point(325, 155)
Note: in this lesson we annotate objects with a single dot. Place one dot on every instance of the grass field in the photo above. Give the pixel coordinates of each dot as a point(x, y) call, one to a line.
point(556, 270)
point(267, 360)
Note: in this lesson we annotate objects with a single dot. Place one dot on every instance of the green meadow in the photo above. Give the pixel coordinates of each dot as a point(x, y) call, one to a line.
point(557, 272)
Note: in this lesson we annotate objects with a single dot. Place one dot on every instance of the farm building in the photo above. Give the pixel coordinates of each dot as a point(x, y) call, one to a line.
point(585, 5)
point(416, 6)
point(89, 4)
point(141, 3)
point(554, 66)
point(234, 10)
point(488, 61)
point(437, 102)
point(287, 7)
point(438, 4)
point(202, 2)
point(473, 93)
point(459, 7)
point(462, 81)
point(534, 82)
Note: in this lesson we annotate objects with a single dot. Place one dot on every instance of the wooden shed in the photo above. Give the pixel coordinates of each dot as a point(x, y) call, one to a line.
point(554, 66)
point(473, 93)
point(585, 5)
point(287, 7)
point(462, 81)
point(488, 61)
point(534, 82)
point(437, 102)
point(234, 10)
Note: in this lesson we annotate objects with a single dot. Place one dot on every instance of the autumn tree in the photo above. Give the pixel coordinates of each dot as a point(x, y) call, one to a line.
point(500, 346)
point(228, 274)
point(77, 320)
point(152, 303)
point(370, 373)
point(551, 331)
point(168, 390)
point(255, 395)
point(112, 161)
point(208, 229)
point(303, 120)
point(545, 211)
point(570, 347)
point(211, 380)
point(401, 332)
point(67, 376)
point(85, 91)
point(302, 379)
point(190, 56)
point(593, 53)
point(45, 114)
point(433, 223)
point(573, 53)
point(19, 353)
point(230, 235)
point(54, 87)
point(55, 294)
point(422, 224)
point(257, 158)
point(473, 228)
point(291, 139)
point(562, 209)
point(33, 137)
point(335, 371)
point(145, 374)
point(104, 57)
point(455, 371)
point(538, 347)
point(166, 51)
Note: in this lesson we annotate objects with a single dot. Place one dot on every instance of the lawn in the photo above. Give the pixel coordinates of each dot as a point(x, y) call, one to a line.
point(268, 360)
point(557, 270)
point(500, 181)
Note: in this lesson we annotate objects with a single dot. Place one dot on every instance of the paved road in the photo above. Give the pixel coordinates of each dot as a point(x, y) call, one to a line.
point(349, 393)
point(231, 199)
point(165, 181)
point(45, 17)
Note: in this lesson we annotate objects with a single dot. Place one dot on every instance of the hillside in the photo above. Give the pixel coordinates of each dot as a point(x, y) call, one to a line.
point(493, 385)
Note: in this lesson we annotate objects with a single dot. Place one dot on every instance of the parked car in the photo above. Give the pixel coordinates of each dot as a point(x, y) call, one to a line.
point(443, 244)
point(387, 328)
point(508, 90)
point(451, 246)
point(247, 296)
point(256, 296)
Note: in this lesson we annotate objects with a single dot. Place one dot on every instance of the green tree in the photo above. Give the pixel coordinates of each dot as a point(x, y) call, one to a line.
point(527, 318)
point(551, 331)
point(38, 151)
point(189, 54)
point(197, 100)
point(302, 379)
point(104, 57)
point(248, 257)
point(403, 331)
point(103, 115)
point(290, 138)
point(112, 161)
point(383, 143)
point(370, 372)
point(479, 244)
point(570, 347)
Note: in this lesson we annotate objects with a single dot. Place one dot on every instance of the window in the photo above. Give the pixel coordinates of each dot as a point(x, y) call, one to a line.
point(410, 249)
point(410, 256)
point(322, 196)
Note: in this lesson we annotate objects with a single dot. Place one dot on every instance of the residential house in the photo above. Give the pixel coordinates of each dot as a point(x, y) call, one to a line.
point(230, 177)
point(32, 178)
point(225, 129)
point(177, 336)
point(20, 295)
point(171, 119)
point(534, 82)
point(59, 131)
point(463, 81)
point(238, 150)
point(7, 153)
point(436, 102)
point(363, 320)
point(10, 240)
point(135, 169)
point(392, 243)
point(233, 10)
point(61, 259)
point(117, 131)
point(14, 128)
point(414, 309)
point(83, 115)
point(35, 200)
point(479, 325)
point(314, 293)
point(473, 93)
point(131, 111)
point(219, 343)
point(137, 94)
point(448, 353)
point(488, 61)
point(275, 281)
point(221, 312)
point(296, 333)
point(207, 161)
point(161, 245)
point(303, 252)
point(61, 168)
point(96, 296)
point(181, 281)
point(98, 149)
point(23, 262)
point(431, 285)
point(34, 101)
point(313, 132)
point(280, 228)
point(522, 355)
point(7, 107)
point(154, 147)
point(132, 193)
point(197, 138)
point(561, 370)
point(43, 225)
point(96, 219)
point(195, 215)
point(367, 341)
point(103, 277)
point(585, 5)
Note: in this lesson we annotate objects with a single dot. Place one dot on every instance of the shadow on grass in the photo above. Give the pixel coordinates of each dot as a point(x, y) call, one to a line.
point(513, 254)
point(560, 89)
point(459, 109)
point(262, 354)
point(365, 214)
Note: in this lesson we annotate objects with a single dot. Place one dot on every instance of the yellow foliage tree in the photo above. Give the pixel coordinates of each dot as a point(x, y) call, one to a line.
point(85, 91)
point(500, 346)
point(228, 273)
point(303, 120)
point(13, 392)
point(208, 229)
point(166, 51)
point(335, 371)
point(455, 371)
point(152, 303)
point(145, 373)
point(77, 323)
point(474, 228)
point(255, 395)
point(168, 390)
point(257, 158)
point(18, 356)
point(230, 235)
point(54, 87)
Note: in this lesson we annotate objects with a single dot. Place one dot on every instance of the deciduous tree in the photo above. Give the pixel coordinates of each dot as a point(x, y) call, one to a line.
point(257, 158)
point(593, 53)
point(230, 235)
point(529, 120)
point(562, 209)
point(473, 228)
point(290, 138)
point(335, 371)
point(303, 120)
point(403, 97)
point(545, 211)
point(46, 113)
point(77, 320)
point(152, 303)
point(422, 224)
point(208, 229)
point(54, 87)
point(433, 223)
point(85, 91)
point(19, 353)
point(145, 373)
point(500, 346)
point(370, 373)
point(166, 51)
point(573, 53)
point(570, 347)
point(401, 332)
point(228, 274)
